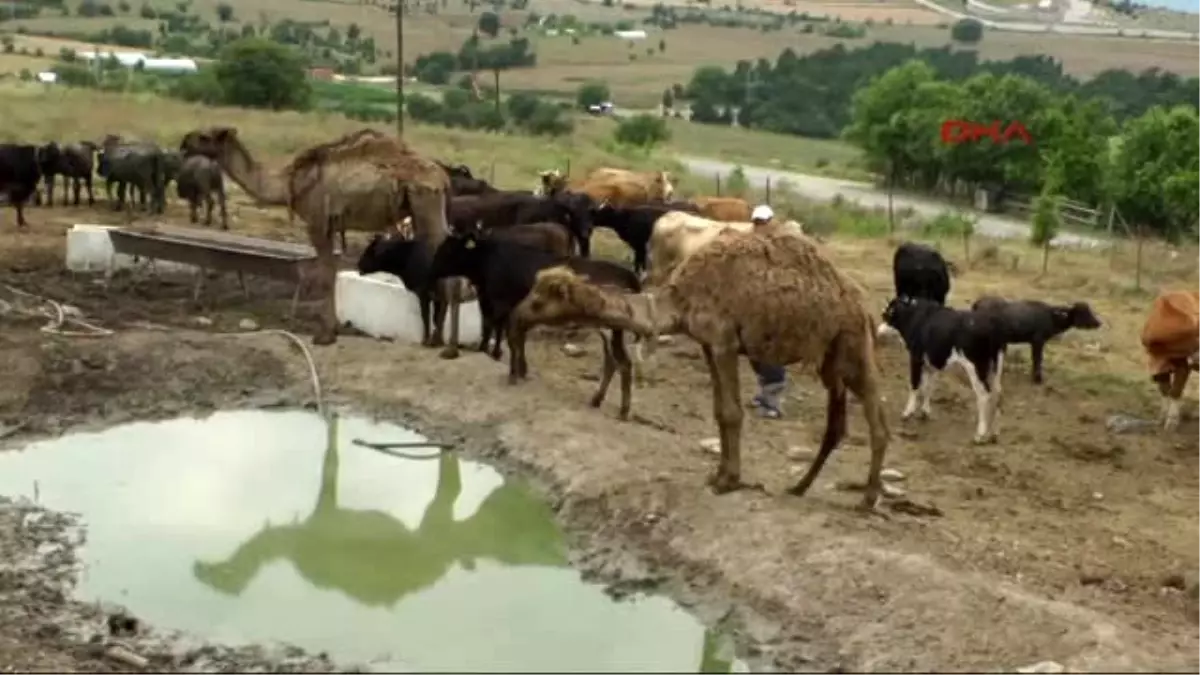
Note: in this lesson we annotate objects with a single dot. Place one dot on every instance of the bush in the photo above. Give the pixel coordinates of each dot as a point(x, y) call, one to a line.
point(643, 131)
point(258, 73)
point(592, 93)
point(967, 31)
point(225, 12)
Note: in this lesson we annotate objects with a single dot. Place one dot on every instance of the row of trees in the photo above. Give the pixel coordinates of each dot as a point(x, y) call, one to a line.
point(474, 54)
point(1148, 167)
point(810, 95)
point(521, 112)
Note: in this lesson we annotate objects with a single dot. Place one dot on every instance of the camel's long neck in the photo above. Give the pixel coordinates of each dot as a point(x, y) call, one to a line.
point(648, 313)
point(252, 177)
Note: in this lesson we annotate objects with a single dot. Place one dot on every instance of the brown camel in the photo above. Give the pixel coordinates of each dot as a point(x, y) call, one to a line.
point(772, 296)
point(365, 181)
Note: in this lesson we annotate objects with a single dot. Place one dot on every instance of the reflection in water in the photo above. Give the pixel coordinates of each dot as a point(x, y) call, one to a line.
point(372, 557)
point(209, 526)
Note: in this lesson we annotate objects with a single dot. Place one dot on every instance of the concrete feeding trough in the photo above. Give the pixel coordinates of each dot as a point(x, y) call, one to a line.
point(380, 306)
point(90, 249)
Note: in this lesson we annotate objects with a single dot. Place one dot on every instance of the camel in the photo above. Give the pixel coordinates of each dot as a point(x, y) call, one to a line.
point(772, 296)
point(365, 181)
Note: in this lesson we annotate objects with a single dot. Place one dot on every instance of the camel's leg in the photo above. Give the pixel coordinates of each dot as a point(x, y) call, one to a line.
point(609, 368)
point(863, 381)
point(326, 333)
point(1173, 395)
point(625, 364)
point(835, 421)
point(453, 296)
point(727, 410)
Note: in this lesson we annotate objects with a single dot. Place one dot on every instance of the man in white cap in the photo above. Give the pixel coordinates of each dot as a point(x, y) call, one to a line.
point(772, 380)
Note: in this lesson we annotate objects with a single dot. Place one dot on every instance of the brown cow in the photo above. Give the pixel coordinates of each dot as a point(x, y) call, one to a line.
point(724, 209)
point(1171, 338)
point(616, 187)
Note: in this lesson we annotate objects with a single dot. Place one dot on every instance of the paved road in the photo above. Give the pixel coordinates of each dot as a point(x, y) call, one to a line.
point(821, 188)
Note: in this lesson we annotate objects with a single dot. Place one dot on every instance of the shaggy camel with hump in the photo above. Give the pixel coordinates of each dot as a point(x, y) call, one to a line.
point(365, 181)
point(789, 304)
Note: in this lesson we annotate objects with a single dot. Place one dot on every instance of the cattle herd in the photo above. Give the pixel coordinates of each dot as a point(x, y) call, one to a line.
point(700, 268)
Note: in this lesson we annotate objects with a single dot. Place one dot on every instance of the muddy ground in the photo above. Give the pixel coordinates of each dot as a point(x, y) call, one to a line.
point(1064, 542)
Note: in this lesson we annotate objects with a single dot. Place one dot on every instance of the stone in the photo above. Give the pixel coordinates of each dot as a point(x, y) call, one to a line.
point(800, 453)
point(891, 475)
point(665, 339)
point(711, 445)
point(892, 491)
point(248, 324)
point(1043, 667)
point(1124, 424)
point(573, 350)
point(203, 321)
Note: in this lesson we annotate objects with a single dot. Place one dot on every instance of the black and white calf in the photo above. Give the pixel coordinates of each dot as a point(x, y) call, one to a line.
point(937, 336)
point(1034, 323)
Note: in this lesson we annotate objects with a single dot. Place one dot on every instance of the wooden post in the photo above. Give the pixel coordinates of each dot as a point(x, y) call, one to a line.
point(891, 188)
point(496, 77)
point(718, 177)
point(568, 166)
point(1137, 275)
point(1045, 256)
point(768, 190)
point(400, 68)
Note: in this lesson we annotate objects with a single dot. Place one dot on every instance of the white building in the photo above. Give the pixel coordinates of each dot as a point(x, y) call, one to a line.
point(149, 63)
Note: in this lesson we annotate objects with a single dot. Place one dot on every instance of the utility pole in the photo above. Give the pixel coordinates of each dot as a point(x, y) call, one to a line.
point(400, 68)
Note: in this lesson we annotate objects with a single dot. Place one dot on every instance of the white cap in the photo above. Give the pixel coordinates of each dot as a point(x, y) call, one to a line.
point(762, 212)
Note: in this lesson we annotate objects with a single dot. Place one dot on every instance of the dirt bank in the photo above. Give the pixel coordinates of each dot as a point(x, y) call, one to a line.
point(1064, 542)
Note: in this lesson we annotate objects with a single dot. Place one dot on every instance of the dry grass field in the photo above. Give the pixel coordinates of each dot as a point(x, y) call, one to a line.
point(638, 72)
point(1103, 524)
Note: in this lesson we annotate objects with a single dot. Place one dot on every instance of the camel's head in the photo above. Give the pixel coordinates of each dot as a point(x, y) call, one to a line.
point(209, 142)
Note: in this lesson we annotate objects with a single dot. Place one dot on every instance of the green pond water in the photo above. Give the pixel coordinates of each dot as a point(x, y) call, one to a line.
point(256, 526)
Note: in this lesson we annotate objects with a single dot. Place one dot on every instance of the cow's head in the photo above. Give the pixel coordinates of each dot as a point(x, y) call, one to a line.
point(578, 207)
point(1077, 315)
point(459, 254)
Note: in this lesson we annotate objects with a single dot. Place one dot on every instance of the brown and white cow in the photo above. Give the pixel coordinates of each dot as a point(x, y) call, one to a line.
point(1171, 338)
point(615, 187)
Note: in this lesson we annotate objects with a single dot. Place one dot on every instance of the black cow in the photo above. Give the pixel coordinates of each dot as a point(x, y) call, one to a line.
point(935, 336)
point(463, 182)
point(1034, 323)
point(408, 259)
point(920, 271)
point(75, 162)
point(505, 209)
point(504, 273)
point(635, 224)
point(20, 172)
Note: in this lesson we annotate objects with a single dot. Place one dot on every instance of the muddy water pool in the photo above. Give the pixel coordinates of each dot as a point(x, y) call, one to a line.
point(253, 527)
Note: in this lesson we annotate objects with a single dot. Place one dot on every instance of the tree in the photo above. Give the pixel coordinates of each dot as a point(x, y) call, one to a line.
point(967, 31)
point(592, 93)
point(259, 73)
point(225, 12)
point(668, 100)
point(1156, 171)
point(489, 24)
point(643, 131)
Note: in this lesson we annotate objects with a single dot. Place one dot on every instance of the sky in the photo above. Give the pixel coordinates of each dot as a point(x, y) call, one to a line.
point(1181, 5)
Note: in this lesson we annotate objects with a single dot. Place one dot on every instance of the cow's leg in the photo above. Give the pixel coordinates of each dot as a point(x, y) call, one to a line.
point(450, 287)
point(49, 183)
point(208, 204)
point(1037, 350)
point(87, 181)
point(20, 206)
point(193, 210)
point(916, 381)
point(224, 213)
point(984, 384)
point(1172, 403)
